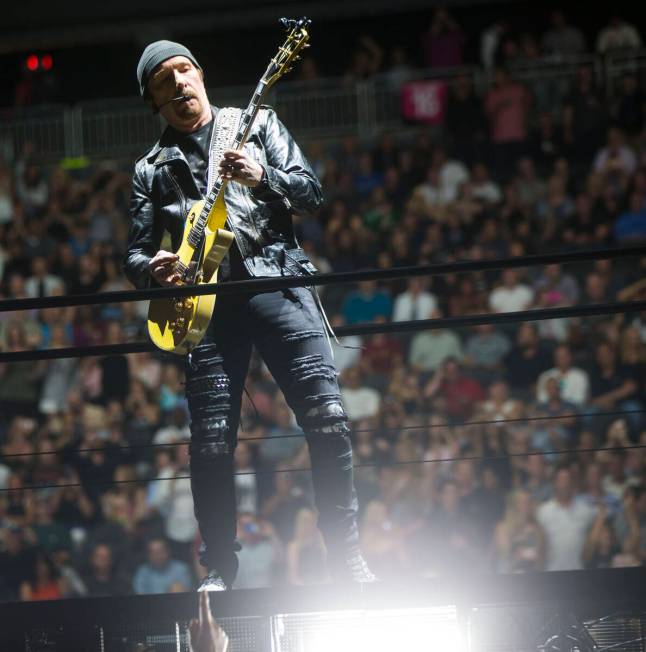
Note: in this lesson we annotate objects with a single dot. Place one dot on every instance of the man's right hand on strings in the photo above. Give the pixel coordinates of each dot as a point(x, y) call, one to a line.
point(162, 267)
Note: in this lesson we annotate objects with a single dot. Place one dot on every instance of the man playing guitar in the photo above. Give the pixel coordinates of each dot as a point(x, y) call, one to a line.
point(268, 179)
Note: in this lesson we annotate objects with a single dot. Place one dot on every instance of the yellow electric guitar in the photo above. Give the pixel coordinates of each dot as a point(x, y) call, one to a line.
point(177, 325)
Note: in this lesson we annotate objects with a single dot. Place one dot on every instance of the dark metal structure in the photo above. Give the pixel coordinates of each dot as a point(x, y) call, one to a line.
point(29, 24)
point(556, 612)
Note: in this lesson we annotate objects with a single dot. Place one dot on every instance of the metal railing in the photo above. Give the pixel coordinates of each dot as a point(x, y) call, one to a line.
point(631, 62)
point(319, 109)
point(48, 130)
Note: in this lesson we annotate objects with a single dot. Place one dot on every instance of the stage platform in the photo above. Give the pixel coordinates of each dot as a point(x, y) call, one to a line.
point(492, 613)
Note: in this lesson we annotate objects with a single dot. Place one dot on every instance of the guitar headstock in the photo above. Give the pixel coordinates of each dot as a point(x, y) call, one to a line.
point(297, 40)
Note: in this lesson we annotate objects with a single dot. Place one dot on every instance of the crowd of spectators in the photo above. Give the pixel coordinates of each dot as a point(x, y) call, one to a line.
point(104, 440)
point(520, 37)
point(445, 44)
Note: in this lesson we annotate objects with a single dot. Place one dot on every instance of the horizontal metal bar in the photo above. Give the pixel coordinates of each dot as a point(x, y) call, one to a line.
point(358, 329)
point(278, 283)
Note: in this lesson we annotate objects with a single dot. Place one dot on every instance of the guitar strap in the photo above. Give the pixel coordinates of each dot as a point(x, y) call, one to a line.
point(222, 138)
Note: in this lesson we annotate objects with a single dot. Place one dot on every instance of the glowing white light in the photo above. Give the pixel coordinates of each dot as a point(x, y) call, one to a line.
point(409, 630)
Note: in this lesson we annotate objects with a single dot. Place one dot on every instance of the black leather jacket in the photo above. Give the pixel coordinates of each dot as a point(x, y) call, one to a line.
point(163, 189)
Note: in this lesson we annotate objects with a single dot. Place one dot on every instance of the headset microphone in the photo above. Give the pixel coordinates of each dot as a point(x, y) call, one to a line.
point(174, 99)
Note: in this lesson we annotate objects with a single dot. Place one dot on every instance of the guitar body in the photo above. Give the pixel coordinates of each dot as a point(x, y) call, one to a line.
point(177, 325)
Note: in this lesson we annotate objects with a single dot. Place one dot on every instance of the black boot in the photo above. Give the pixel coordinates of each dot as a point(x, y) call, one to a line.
point(350, 566)
point(213, 582)
point(336, 501)
point(215, 509)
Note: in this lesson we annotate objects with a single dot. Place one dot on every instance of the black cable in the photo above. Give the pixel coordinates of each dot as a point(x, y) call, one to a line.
point(462, 321)
point(77, 352)
point(430, 426)
point(467, 458)
point(282, 282)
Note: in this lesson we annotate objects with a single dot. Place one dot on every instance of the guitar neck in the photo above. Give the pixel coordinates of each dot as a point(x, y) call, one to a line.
point(246, 123)
point(297, 39)
point(249, 114)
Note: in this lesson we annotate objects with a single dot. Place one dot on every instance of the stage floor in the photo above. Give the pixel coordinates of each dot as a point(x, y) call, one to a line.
point(492, 613)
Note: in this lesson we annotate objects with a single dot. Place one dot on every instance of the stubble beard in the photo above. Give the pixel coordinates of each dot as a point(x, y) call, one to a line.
point(188, 116)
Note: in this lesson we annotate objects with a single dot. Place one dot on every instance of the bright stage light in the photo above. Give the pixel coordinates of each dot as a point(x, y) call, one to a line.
point(396, 630)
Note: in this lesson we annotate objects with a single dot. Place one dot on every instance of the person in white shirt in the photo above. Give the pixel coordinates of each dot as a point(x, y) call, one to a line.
point(245, 480)
point(499, 406)
point(574, 383)
point(429, 349)
point(562, 39)
point(616, 156)
point(431, 192)
point(360, 402)
point(41, 283)
point(452, 174)
point(511, 295)
point(416, 302)
point(618, 35)
point(484, 189)
point(566, 523)
point(179, 516)
point(490, 41)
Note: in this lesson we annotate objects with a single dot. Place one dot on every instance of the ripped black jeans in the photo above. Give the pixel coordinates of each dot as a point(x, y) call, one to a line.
point(288, 331)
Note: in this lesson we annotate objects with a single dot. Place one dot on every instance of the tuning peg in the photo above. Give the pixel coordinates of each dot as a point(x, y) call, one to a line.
point(288, 23)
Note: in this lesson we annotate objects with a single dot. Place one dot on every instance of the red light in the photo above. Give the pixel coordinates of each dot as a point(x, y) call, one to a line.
point(32, 62)
point(47, 62)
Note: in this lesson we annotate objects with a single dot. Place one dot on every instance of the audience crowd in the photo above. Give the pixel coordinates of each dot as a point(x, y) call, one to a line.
point(476, 448)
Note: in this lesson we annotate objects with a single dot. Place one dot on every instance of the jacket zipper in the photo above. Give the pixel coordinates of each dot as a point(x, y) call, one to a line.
point(246, 192)
point(180, 193)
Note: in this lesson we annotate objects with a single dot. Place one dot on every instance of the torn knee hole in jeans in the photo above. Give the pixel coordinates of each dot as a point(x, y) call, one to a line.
point(318, 400)
point(327, 418)
point(209, 438)
point(302, 335)
point(204, 356)
point(333, 428)
point(327, 411)
point(204, 451)
point(312, 367)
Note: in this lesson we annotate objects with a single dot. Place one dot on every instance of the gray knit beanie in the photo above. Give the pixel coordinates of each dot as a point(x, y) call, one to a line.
point(154, 54)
